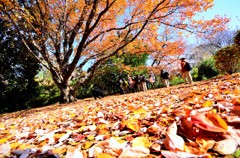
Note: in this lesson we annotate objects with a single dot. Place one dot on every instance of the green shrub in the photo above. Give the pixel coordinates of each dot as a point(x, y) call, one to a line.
point(194, 73)
point(48, 95)
point(176, 80)
point(207, 69)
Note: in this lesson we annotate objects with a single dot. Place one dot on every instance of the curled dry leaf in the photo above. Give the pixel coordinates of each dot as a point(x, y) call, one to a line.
point(173, 142)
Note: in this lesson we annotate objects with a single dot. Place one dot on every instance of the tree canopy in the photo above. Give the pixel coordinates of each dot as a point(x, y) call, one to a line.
point(65, 35)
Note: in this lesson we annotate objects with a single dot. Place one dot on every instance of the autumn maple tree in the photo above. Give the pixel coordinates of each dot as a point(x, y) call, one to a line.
point(66, 35)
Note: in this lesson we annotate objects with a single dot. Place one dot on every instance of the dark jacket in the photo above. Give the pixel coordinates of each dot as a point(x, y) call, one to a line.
point(164, 74)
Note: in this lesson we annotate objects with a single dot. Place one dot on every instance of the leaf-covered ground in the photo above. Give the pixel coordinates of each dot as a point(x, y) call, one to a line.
point(199, 120)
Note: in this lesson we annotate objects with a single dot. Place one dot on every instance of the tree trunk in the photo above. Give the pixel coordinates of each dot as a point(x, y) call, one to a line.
point(67, 94)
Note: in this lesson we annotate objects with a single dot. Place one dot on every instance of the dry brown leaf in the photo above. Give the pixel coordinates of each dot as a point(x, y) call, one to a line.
point(173, 142)
point(137, 151)
point(214, 124)
point(4, 149)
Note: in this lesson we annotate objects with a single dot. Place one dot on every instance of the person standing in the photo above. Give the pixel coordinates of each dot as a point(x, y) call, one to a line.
point(152, 79)
point(124, 86)
point(143, 82)
point(131, 83)
point(185, 70)
point(165, 76)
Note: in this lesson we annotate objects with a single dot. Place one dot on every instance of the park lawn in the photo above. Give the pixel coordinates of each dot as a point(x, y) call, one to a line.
point(198, 120)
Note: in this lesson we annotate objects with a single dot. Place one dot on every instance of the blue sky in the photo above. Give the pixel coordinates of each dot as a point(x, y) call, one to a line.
point(228, 8)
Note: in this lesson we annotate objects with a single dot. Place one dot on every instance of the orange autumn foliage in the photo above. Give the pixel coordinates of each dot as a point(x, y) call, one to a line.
point(65, 36)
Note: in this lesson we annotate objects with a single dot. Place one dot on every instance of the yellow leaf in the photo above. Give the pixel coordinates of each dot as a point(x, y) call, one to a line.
point(141, 141)
point(2, 126)
point(23, 146)
point(3, 140)
point(103, 155)
point(134, 125)
point(14, 145)
point(51, 120)
point(205, 142)
point(207, 103)
point(61, 150)
point(87, 145)
point(72, 115)
point(140, 111)
point(58, 136)
point(90, 137)
point(217, 120)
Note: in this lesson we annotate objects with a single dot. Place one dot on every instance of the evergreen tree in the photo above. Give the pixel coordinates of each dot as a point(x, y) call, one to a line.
point(17, 71)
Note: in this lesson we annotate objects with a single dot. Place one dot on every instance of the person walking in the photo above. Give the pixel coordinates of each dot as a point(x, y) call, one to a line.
point(165, 76)
point(185, 70)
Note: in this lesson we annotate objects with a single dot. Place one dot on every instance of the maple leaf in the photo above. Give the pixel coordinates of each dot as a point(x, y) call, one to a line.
point(134, 124)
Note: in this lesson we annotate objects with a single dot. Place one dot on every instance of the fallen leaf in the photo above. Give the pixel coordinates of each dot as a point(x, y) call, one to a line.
point(103, 155)
point(208, 103)
point(201, 121)
point(4, 149)
point(226, 147)
point(73, 153)
point(134, 124)
point(141, 141)
point(87, 144)
point(137, 151)
point(179, 154)
point(173, 142)
point(205, 142)
point(216, 120)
